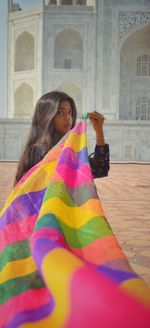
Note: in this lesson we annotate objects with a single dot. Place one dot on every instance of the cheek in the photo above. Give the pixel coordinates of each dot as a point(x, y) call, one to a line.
point(72, 121)
point(57, 122)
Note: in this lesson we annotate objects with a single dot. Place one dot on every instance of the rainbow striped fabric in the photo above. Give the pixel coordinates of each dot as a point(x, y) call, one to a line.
point(61, 265)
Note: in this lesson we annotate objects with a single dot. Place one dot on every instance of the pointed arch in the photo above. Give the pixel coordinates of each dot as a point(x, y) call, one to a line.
point(24, 101)
point(68, 53)
point(74, 91)
point(24, 52)
point(134, 63)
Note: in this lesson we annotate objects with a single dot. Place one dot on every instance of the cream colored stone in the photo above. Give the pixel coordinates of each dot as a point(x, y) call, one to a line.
point(145, 253)
point(139, 268)
point(129, 254)
point(90, 51)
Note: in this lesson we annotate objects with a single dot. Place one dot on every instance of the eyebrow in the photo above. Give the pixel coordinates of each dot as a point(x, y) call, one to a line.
point(61, 107)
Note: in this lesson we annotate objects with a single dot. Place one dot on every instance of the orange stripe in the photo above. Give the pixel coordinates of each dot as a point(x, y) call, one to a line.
point(100, 251)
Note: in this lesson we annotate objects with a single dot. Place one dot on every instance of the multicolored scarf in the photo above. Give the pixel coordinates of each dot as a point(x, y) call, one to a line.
point(61, 265)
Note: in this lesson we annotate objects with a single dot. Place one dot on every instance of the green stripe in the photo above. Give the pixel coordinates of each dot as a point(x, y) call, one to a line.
point(48, 220)
point(58, 189)
point(83, 193)
point(15, 251)
point(87, 234)
point(71, 196)
point(94, 229)
point(19, 285)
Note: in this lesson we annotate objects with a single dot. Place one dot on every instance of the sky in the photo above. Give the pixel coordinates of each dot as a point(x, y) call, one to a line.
point(24, 4)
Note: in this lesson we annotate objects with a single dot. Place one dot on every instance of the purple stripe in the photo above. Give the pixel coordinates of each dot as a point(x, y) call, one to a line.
point(116, 275)
point(31, 315)
point(40, 248)
point(73, 159)
point(22, 207)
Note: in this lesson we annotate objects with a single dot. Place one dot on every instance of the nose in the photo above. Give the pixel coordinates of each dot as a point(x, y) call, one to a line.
point(67, 117)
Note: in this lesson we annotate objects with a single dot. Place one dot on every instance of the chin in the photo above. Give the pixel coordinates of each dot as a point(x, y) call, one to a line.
point(67, 130)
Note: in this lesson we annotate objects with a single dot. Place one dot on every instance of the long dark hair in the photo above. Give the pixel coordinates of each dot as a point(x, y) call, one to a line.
point(42, 135)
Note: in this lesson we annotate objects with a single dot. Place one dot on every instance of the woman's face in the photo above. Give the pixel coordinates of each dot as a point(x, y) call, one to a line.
point(63, 119)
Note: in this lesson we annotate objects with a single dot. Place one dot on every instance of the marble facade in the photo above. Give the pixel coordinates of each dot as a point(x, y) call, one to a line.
point(99, 53)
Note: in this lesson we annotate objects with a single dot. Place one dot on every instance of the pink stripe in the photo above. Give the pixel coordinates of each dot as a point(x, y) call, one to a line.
point(80, 128)
point(96, 302)
point(72, 178)
point(17, 231)
point(25, 301)
point(51, 233)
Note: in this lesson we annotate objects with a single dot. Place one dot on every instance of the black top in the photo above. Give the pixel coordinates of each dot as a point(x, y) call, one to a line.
point(99, 160)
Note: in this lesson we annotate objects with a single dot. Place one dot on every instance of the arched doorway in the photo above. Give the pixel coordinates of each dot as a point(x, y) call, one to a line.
point(24, 52)
point(24, 101)
point(134, 72)
point(68, 52)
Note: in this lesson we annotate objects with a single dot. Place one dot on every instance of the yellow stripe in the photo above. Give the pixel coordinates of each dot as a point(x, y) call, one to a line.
point(138, 288)
point(36, 182)
point(17, 269)
point(40, 179)
point(74, 217)
point(76, 141)
point(58, 267)
point(94, 205)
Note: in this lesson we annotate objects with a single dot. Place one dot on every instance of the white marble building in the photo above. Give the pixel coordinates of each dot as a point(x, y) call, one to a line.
point(98, 51)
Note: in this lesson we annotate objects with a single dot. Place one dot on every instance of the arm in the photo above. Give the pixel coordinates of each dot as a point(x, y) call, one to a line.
point(99, 160)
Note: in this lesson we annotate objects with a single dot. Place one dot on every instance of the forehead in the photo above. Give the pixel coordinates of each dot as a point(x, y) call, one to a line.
point(65, 104)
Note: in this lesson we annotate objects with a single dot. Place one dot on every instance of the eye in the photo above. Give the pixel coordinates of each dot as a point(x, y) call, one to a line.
point(60, 112)
point(70, 112)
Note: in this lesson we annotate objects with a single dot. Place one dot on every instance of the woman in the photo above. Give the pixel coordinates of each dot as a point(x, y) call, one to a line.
point(55, 115)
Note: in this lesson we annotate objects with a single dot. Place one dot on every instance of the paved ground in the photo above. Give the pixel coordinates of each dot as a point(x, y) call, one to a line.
point(125, 196)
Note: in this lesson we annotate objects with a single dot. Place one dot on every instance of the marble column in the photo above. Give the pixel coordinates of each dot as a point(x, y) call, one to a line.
point(58, 2)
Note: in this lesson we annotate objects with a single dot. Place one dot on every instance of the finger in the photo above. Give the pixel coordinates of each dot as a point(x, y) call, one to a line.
point(96, 115)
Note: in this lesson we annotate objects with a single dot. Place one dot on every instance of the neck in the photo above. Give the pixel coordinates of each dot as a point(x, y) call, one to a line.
point(56, 138)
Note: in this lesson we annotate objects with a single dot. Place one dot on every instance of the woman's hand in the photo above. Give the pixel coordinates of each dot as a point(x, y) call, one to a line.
point(97, 121)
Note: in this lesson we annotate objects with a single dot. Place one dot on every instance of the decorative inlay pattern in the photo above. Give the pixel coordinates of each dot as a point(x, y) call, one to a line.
point(130, 20)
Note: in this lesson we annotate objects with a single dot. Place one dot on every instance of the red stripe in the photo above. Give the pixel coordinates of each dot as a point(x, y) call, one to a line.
point(25, 301)
point(17, 231)
point(50, 233)
point(100, 251)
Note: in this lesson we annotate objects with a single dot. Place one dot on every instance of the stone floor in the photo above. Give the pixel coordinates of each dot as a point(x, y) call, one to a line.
point(125, 196)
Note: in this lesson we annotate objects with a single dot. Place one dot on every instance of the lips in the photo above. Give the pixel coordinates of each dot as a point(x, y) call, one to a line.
point(67, 126)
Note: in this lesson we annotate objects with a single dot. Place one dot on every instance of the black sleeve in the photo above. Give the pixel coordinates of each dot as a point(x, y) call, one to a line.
point(99, 161)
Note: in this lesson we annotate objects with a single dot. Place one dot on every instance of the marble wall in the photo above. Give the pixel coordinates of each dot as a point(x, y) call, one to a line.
point(128, 141)
point(91, 53)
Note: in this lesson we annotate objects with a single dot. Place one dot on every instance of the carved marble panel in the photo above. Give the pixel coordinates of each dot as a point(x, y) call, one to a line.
point(129, 21)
